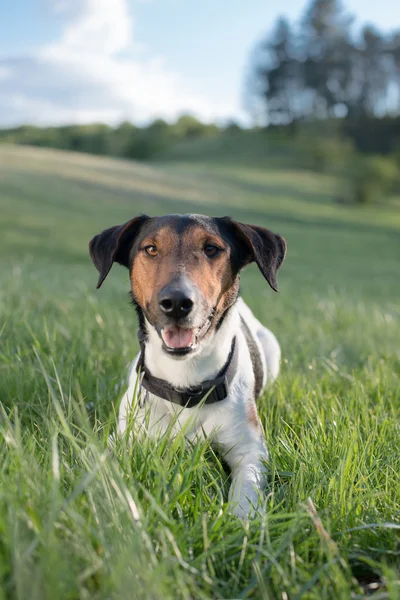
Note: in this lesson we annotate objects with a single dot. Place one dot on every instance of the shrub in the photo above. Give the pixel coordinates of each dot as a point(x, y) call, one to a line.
point(323, 151)
point(188, 127)
point(330, 153)
point(370, 179)
point(232, 127)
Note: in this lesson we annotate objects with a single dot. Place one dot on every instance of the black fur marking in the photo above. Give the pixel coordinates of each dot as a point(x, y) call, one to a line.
point(250, 243)
point(113, 245)
point(139, 312)
point(255, 358)
point(222, 319)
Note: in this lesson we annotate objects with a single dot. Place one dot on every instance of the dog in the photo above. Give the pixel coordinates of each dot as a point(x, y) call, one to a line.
point(204, 357)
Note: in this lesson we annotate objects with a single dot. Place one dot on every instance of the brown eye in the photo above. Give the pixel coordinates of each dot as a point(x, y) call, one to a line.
point(151, 250)
point(211, 251)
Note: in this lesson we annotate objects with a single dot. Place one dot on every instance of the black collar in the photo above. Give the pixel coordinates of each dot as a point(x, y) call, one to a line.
point(215, 390)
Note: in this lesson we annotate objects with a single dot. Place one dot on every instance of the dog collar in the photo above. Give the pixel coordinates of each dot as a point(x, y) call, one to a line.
point(213, 390)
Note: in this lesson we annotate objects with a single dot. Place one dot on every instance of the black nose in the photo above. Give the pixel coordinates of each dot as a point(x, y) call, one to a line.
point(176, 302)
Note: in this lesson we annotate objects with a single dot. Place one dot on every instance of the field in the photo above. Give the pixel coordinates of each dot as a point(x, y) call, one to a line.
point(151, 520)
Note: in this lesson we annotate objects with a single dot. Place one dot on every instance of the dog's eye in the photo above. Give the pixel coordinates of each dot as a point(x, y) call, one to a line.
point(151, 250)
point(211, 251)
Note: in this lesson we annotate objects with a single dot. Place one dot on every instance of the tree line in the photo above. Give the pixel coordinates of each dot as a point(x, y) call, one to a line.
point(367, 134)
point(125, 140)
point(322, 68)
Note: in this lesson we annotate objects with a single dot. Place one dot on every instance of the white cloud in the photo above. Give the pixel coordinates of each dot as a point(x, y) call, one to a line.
point(5, 72)
point(104, 27)
point(94, 72)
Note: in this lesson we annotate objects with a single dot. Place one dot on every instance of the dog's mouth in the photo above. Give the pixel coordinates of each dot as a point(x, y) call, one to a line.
point(178, 338)
point(181, 340)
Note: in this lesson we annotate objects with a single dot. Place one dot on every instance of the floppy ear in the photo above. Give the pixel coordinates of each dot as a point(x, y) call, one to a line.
point(267, 249)
point(114, 245)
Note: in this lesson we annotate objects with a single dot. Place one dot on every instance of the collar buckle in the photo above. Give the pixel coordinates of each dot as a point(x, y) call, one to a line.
point(198, 390)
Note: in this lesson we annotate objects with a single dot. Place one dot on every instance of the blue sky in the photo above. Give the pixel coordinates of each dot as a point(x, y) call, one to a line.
point(64, 61)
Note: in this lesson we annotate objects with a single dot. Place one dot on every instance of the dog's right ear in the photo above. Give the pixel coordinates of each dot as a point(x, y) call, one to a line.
point(114, 245)
point(260, 245)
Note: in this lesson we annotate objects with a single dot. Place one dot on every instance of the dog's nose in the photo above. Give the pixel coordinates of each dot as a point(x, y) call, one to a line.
point(176, 302)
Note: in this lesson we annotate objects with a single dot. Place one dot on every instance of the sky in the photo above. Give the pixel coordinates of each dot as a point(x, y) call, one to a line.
point(85, 61)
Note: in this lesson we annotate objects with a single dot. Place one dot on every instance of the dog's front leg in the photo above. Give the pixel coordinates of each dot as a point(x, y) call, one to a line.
point(247, 462)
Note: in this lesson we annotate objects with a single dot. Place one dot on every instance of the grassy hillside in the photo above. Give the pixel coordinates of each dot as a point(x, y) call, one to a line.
point(69, 509)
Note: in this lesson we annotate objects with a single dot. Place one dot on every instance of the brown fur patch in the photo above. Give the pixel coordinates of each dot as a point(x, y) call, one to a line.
point(252, 416)
point(149, 275)
point(214, 276)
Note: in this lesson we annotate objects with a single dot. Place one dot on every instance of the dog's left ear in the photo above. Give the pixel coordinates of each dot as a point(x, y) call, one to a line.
point(114, 245)
point(257, 244)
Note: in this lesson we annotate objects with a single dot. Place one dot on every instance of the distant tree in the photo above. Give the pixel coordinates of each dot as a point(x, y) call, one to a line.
point(322, 70)
point(372, 75)
point(326, 49)
point(121, 138)
point(188, 127)
point(232, 127)
point(393, 47)
point(276, 76)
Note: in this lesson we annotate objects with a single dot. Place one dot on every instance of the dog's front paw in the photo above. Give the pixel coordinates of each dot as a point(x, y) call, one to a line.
point(244, 509)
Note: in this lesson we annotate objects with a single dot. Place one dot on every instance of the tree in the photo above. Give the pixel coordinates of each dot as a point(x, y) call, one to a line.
point(276, 76)
point(326, 49)
point(393, 47)
point(322, 70)
point(372, 76)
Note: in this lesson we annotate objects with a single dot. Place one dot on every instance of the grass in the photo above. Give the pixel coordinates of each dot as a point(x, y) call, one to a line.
point(151, 520)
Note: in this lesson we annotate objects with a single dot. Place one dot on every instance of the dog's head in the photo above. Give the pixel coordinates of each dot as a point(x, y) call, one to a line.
point(184, 270)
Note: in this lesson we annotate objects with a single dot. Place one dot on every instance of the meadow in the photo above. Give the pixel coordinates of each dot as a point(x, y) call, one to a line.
point(151, 521)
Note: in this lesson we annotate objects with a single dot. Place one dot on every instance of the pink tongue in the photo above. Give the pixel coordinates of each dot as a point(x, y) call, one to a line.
point(176, 337)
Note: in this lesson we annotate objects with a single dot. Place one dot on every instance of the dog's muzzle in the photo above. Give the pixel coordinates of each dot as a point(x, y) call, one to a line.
point(180, 303)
